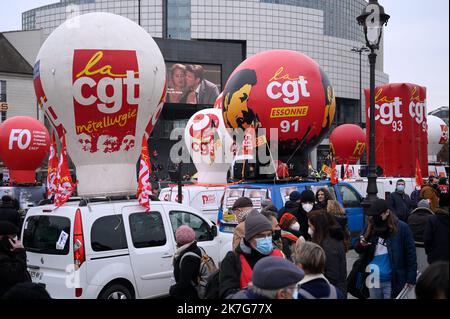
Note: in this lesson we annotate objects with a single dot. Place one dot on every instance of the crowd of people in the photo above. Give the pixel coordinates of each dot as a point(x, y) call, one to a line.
point(299, 251)
point(296, 252)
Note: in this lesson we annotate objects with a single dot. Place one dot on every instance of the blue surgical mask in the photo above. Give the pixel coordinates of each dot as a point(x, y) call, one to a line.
point(264, 245)
point(401, 188)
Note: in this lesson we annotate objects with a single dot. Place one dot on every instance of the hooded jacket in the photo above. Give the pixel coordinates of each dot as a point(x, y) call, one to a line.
point(436, 237)
point(402, 255)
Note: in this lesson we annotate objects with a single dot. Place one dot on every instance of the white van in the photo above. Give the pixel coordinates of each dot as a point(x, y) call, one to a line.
point(111, 249)
point(206, 199)
point(385, 185)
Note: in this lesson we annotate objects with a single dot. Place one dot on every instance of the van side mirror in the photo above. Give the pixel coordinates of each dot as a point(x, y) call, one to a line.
point(214, 231)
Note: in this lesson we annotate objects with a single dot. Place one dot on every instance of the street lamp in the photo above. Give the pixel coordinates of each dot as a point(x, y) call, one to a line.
point(372, 18)
point(360, 51)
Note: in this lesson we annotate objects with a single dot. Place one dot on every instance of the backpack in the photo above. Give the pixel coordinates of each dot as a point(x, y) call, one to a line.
point(206, 270)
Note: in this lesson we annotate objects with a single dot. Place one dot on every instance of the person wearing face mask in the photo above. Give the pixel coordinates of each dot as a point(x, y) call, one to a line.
point(387, 244)
point(270, 212)
point(272, 278)
point(290, 232)
point(399, 202)
point(237, 267)
point(241, 207)
point(307, 199)
point(13, 265)
point(431, 191)
point(415, 196)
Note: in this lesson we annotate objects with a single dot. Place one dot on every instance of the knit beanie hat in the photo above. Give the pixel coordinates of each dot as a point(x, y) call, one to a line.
point(294, 196)
point(423, 203)
point(307, 196)
point(184, 235)
point(286, 220)
point(256, 223)
point(26, 291)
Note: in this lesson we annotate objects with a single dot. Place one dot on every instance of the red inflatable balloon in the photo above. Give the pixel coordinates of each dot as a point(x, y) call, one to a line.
point(348, 142)
point(281, 89)
point(24, 143)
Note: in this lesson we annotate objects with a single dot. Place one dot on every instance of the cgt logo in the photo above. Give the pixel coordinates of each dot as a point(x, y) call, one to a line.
point(21, 136)
point(289, 89)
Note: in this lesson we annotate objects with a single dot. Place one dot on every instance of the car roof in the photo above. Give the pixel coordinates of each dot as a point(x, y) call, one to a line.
point(279, 184)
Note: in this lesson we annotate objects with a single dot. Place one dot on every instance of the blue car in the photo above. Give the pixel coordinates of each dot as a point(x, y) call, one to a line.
point(343, 192)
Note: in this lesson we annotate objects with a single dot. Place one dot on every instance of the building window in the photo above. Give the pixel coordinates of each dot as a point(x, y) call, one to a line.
point(3, 97)
point(178, 19)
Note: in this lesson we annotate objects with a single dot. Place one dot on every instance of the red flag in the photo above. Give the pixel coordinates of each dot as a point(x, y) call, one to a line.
point(144, 185)
point(419, 180)
point(333, 177)
point(64, 184)
point(52, 168)
point(347, 172)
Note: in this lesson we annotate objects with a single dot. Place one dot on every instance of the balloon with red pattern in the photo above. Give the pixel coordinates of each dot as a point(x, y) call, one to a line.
point(281, 89)
point(24, 144)
point(347, 143)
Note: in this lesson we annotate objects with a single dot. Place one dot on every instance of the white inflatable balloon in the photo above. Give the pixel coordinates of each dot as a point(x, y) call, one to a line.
point(210, 146)
point(437, 136)
point(99, 78)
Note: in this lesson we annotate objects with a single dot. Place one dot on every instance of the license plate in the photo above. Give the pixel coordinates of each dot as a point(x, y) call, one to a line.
point(35, 275)
point(228, 229)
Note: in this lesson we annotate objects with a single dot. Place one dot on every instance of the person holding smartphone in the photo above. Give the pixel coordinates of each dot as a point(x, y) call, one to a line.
point(13, 265)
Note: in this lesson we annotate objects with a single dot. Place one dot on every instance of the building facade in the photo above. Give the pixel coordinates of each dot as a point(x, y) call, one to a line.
point(325, 30)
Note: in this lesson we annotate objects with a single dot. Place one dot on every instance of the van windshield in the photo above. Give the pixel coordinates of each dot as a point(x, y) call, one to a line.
point(47, 235)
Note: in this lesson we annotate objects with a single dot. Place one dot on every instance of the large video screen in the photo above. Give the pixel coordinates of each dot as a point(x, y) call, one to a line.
point(193, 83)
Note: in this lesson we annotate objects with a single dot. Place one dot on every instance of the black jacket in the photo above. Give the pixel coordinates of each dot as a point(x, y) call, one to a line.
point(436, 238)
point(230, 268)
point(10, 214)
point(400, 204)
point(335, 259)
point(289, 207)
point(185, 274)
point(13, 269)
point(417, 221)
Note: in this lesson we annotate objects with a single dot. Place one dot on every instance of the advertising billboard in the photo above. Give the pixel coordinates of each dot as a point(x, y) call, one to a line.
point(193, 83)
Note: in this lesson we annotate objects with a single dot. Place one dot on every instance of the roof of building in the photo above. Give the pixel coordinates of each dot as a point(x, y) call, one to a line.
point(11, 61)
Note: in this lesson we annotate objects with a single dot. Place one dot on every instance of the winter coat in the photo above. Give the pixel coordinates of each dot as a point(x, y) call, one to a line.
point(13, 269)
point(415, 197)
point(402, 255)
point(335, 259)
point(436, 238)
point(318, 286)
point(400, 204)
point(231, 268)
point(428, 192)
point(289, 207)
point(417, 221)
point(187, 273)
point(10, 214)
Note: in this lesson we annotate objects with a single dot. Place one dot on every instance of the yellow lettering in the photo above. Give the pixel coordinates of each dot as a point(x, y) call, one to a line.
point(277, 76)
point(291, 111)
point(104, 70)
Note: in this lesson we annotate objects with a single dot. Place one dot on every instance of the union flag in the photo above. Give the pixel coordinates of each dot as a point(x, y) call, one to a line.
point(64, 184)
point(419, 180)
point(333, 176)
point(144, 185)
point(52, 168)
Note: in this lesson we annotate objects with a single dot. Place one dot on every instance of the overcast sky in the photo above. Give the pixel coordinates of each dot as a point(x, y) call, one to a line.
point(416, 46)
